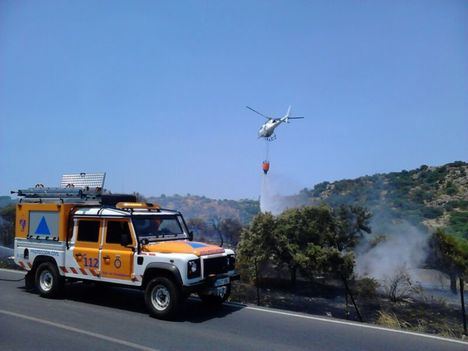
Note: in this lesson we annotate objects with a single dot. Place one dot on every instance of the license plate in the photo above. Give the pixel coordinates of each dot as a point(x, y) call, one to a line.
point(221, 282)
point(221, 291)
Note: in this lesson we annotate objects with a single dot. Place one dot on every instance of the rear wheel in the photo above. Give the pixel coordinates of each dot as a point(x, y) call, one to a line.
point(29, 280)
point(217, 299)
point(49, 283)
point(162, 298)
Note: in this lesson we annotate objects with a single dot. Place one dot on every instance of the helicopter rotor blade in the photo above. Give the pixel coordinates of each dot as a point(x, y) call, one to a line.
point(261, 114)
point(296, 117)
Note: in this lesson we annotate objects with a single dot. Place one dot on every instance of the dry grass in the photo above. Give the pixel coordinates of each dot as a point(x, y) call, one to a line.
point(439, 327)
point(390, 320)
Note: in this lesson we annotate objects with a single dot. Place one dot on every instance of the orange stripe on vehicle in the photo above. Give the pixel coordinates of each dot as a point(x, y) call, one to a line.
point(21, 264)
point(73, 270)
point(30, 265)
point(83, 271)
point(64, 269)
point(93, 272)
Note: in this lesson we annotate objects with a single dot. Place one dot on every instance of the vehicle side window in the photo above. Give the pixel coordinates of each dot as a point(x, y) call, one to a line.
point(88, 231)
point(115, 229)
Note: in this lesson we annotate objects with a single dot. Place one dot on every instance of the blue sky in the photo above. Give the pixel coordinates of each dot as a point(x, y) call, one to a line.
point(154, 92)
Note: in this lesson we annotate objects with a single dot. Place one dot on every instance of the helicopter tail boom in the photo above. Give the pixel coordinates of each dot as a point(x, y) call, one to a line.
point(288, 116)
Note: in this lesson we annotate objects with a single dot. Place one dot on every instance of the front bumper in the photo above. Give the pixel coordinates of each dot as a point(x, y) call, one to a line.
point(209, 282)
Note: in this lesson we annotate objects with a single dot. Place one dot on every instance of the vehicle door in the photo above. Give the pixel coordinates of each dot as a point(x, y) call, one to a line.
point(117, 250)
point(86, 249)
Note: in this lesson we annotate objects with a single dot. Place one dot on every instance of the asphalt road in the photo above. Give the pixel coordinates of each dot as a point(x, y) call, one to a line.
point(99, 318)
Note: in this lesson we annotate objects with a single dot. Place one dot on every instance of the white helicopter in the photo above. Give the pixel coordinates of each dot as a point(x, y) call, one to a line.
point(267, 130)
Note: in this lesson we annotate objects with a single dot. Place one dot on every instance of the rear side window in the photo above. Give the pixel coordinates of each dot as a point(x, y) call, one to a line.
point(115, 229)
point(88, 231)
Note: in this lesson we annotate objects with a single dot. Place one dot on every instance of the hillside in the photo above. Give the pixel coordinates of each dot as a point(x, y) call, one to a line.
point(432, 196)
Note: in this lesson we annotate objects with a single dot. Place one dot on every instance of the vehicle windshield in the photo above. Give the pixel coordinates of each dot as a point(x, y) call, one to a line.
point(158, 227)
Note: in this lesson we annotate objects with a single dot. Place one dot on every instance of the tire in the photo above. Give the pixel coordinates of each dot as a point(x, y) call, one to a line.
point(216, 300)
point(162, 298)
point(29, 281)
point(49, 283)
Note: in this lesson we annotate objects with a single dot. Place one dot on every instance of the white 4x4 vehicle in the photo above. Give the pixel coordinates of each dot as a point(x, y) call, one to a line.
point(126, 243)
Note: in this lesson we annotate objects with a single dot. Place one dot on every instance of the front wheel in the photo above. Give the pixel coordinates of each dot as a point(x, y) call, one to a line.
point(221, 295)
point(162, 298)
point(49, 283)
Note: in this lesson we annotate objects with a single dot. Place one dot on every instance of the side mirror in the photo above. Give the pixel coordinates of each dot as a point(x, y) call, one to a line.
point(125, 240)
point(190, 236)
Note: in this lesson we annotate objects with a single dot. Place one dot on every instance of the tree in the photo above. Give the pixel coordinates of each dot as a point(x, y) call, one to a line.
point(449, 254)
point(299, 237)
point(231, 229)
point(215, 223)
point(255, 245)
point(351, 222)
point(198, 226)
point(7, 225)
point(312, 239)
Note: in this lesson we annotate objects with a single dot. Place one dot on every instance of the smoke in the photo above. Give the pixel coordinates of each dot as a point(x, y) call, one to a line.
point(404, 246)
point(272, 187)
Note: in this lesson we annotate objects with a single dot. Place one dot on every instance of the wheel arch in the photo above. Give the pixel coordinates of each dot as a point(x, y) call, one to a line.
point(38, 260)
point(162, 269)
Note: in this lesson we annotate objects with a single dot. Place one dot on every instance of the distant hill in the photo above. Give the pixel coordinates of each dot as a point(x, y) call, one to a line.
point(427, 197)
point(193, 206)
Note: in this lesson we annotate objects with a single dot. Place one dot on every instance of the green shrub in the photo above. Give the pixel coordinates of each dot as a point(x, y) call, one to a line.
point(431, 212)
point(458, 224)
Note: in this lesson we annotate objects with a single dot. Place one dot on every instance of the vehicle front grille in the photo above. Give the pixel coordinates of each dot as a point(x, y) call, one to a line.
point(215, 265)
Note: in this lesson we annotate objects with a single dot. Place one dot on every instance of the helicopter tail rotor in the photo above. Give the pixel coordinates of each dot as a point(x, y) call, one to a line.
point(287, 117)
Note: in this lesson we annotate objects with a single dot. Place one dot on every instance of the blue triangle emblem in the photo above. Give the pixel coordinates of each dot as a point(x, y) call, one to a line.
point(42, 228)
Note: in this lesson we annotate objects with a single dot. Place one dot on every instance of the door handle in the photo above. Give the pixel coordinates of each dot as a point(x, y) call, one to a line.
point(106, 257)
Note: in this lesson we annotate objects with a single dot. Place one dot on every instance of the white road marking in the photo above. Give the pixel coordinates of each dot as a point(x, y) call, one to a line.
point(336, 321)
point(327, 320)
point(80, 331)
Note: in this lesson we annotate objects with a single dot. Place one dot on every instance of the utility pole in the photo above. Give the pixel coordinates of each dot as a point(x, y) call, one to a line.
point(257, 282)
point(351, 296)
point(462, 299)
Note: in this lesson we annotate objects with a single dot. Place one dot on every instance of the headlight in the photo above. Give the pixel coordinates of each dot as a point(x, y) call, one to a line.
point(193, 268)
